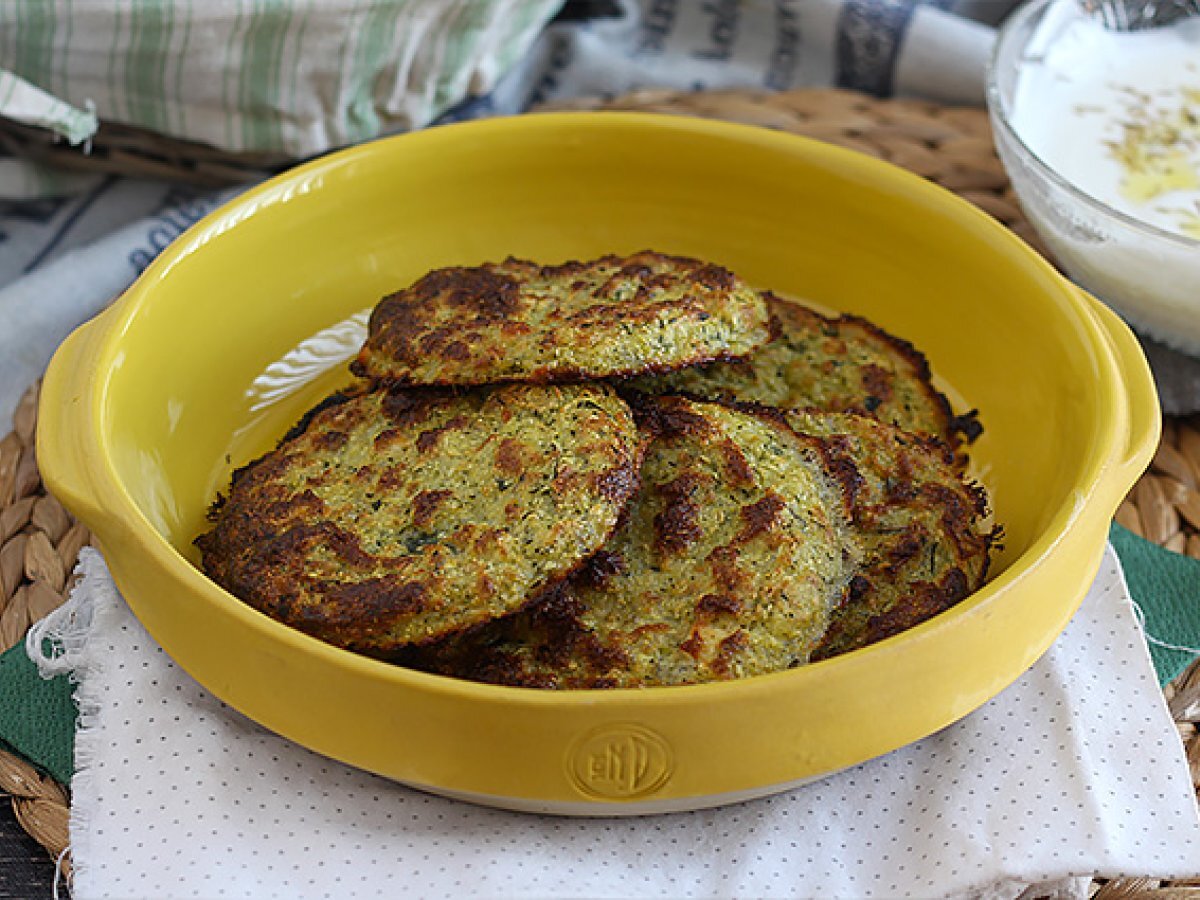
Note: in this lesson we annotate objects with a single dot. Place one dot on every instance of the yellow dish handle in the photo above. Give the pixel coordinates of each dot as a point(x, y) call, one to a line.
point(1141, 396)
point(66, 449)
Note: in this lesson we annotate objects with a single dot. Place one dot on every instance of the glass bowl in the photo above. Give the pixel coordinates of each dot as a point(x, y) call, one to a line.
point(1147, 274)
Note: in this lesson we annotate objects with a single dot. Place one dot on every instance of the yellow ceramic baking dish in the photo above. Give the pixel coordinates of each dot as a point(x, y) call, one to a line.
point(208, 358)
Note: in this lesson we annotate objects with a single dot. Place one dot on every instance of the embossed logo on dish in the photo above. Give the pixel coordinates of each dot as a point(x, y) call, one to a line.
point(620, 762)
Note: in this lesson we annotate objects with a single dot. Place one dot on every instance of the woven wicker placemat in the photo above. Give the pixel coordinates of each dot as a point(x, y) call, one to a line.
point(120, 149)
point(39, 540)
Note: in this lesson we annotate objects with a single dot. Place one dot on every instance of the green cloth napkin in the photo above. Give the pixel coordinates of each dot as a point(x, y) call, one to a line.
point(37, 716)
point(1166, 588)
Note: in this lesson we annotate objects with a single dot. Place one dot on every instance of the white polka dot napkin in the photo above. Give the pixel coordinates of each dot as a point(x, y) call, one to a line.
point(1076, 769)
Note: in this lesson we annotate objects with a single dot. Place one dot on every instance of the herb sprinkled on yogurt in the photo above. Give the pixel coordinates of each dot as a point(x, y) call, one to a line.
point(1117, 114)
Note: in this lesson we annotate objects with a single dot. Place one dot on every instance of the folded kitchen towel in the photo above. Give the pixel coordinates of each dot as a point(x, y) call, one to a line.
point(1074, 769)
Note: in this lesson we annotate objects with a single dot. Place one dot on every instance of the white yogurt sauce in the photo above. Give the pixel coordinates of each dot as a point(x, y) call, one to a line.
point(1117, 114)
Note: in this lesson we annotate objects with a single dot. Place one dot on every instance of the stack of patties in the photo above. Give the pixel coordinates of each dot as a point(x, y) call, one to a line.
point(626, 472)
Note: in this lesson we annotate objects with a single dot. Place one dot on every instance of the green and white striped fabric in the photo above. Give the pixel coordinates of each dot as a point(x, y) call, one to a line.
point(289, 77)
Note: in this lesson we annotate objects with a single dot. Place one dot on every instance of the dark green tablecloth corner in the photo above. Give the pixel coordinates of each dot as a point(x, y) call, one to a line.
point(1167, 588)
point(37, 716)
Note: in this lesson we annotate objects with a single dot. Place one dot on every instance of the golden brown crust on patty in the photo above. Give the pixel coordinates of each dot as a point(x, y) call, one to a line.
point(923, 528)
point(842, 364)
point(519, 321)
point(398, 517)
point(733, 551)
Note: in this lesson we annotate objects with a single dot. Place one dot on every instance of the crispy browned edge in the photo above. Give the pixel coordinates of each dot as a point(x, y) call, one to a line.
point(964, 426)
point(932, 598)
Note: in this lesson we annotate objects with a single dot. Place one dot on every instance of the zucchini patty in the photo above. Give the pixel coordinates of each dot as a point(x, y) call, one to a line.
point(398, 517)
point(835, 364)
point(519, 321)
point(734, 550)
